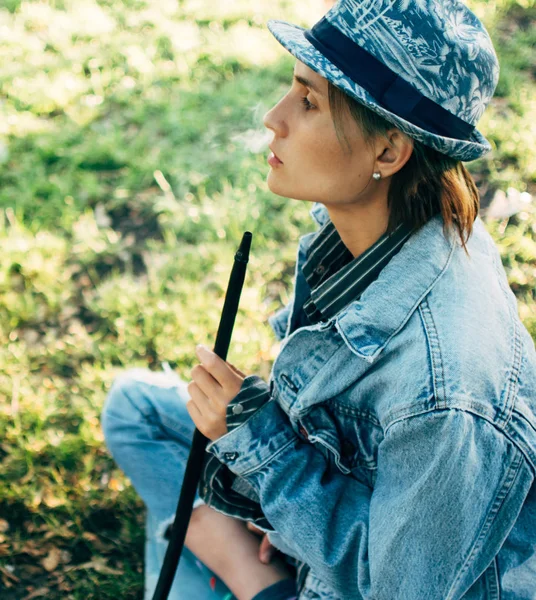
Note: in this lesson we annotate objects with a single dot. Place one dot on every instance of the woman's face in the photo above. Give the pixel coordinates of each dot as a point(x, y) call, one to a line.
point(315, 165)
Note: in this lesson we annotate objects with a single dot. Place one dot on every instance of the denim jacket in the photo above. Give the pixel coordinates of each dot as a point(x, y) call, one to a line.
point(397, 451)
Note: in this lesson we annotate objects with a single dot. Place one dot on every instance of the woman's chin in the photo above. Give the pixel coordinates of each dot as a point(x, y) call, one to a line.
point(274, 185)
point(284, 191)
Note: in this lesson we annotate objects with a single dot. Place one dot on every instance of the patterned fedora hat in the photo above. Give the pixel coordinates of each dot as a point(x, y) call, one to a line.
point(427, 66)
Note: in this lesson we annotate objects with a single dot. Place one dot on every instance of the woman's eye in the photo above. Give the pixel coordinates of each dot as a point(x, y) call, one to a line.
point(307, 104)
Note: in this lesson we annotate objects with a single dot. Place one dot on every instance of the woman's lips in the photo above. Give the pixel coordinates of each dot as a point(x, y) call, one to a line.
point(273, 160)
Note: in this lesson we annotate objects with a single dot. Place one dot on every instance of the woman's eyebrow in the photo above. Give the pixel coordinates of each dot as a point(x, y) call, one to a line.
point(308, 83)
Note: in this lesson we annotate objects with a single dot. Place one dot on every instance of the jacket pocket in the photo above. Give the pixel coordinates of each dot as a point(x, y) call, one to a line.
point(347, 441)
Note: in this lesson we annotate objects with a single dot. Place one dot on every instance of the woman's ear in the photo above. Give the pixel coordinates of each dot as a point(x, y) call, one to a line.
point(393, 150)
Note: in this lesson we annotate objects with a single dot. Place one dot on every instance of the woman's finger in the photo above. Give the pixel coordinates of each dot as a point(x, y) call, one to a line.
point(194, 412)
point(206, 381)
point(219, 369)
point(207, 390)
point(202, 402)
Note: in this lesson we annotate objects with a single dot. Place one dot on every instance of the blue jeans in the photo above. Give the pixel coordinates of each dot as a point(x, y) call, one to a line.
point(149, 432)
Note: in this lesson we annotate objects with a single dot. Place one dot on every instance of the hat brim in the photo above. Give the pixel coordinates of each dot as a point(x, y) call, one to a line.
point(291, 37)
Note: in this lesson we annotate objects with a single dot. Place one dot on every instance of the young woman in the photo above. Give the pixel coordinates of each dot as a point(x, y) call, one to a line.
point(392, 454)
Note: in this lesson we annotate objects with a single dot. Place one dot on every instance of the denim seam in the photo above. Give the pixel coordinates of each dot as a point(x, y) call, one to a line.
point(348, 409)
point(517, 342)
point(528, 451)
point(513, 378)
point(502, 494)
point(435, 352)
point(492, 580)
point(431, 411)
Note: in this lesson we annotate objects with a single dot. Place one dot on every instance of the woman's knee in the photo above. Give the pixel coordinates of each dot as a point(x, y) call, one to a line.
point(140, 396)
point(123, 403)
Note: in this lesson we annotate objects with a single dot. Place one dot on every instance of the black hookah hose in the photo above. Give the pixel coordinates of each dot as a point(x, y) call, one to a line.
point(199, 441)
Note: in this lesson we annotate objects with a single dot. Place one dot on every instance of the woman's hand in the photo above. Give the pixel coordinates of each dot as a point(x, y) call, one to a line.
point(266, 550)
point(215, 383)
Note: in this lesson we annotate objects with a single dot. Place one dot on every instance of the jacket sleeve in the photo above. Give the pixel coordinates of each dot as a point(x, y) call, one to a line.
point(218, 486)
point(449, 488)
point(254, 393)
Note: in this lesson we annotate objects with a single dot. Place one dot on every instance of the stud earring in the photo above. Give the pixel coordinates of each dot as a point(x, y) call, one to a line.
point(377, 176)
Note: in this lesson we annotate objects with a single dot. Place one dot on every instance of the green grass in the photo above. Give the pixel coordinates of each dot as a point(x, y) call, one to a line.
point(131, 162)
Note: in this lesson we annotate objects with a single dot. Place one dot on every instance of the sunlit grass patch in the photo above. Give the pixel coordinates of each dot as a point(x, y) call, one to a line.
point(132, 159)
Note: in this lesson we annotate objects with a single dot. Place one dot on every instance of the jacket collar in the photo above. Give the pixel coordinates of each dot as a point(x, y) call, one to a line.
point(367, 324)
point(319, 213)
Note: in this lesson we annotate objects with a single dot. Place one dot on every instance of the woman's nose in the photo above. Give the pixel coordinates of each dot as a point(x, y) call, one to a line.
point(272, 120)
point(267, 120)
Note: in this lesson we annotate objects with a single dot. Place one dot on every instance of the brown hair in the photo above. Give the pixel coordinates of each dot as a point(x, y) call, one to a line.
point(429, 183)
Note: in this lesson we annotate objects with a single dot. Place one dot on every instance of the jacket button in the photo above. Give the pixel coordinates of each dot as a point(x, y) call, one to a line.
point(303, 431)
point(230, 455)
point(320, 269)
point(237, 409)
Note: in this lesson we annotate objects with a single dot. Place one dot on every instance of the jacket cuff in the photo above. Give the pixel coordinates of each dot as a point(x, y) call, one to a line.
point(252, 444)
point(253, 394)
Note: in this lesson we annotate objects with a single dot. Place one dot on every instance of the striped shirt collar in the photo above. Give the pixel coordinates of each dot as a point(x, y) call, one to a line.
point(335, 277)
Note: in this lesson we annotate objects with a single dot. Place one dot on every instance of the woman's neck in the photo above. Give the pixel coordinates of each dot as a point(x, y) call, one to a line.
point(359, 226)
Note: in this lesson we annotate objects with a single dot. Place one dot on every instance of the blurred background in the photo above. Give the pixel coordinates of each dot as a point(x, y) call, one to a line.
point(132, 159)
